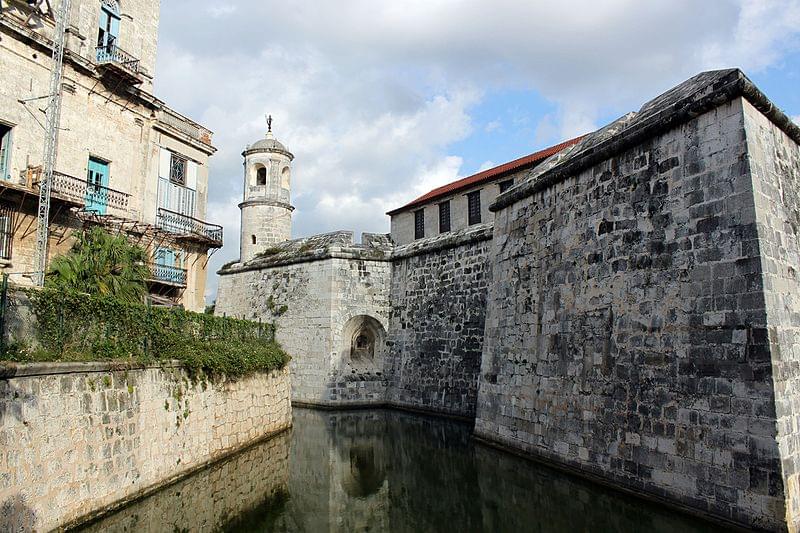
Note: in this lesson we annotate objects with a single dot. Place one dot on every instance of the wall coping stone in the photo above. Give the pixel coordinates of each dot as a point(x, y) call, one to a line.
point(690, 99)
point(10, 370)
point(333, 245)
point(443, 241)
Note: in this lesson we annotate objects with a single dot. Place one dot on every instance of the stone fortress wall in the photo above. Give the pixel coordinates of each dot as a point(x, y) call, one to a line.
point(118, 434)
point(642, 315)
point(438, 304)
point(634, 308)
point(323, 293)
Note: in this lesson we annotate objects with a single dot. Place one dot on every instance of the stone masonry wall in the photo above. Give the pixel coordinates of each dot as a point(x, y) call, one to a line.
point(626, 334)
point(436, 327)
point(774, 161)
point(76, 438)
point(311, 288)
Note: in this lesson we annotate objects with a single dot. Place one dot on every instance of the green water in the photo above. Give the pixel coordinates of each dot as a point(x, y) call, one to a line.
point(387, 471)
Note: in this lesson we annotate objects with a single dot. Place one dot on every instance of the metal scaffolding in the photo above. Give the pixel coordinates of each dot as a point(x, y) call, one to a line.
point(53, 123)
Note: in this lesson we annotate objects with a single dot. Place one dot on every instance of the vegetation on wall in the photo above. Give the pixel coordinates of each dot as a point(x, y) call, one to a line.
point(101, 264)
point(83, 327)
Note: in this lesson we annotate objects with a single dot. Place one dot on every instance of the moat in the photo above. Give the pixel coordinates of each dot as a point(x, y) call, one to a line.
point(381, 470)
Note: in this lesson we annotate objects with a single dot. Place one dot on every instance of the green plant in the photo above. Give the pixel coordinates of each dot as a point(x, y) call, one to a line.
point(269, 252)
point(81, 327)
point(101, 264)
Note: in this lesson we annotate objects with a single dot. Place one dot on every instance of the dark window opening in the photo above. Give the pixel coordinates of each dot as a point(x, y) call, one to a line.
point(419, 224)
point(5, 152)
point(444, 217)
point(474, 207)
point(505, 185)
point(254, 238)
point(6, 231)
point(261, 176)
point(177, 169)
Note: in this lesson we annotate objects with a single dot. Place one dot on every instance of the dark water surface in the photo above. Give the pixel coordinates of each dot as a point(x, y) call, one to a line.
point(387, 471)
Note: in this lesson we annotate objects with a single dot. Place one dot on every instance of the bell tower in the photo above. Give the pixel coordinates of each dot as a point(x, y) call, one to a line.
point(266, 209)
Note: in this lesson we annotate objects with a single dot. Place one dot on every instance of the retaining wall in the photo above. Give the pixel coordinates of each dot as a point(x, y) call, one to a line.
point(77, 438)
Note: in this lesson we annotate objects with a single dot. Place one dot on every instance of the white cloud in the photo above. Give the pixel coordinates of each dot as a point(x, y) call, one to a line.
point(486, 165)
point(371, 95)
point(796, 119)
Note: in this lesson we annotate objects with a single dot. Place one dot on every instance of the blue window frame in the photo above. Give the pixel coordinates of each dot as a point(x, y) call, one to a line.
point(97, 186)
point(109, 25)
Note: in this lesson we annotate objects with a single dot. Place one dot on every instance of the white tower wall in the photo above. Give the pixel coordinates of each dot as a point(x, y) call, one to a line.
point(266, 208)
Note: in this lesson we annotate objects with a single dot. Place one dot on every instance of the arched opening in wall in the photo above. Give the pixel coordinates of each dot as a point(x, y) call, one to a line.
point(261, 175)
point(364, 340)
point(254, 238)
point(285, 175)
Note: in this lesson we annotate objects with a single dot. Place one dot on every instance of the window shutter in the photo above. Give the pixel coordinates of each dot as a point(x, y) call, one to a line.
point(163, 165)
point(191, 175)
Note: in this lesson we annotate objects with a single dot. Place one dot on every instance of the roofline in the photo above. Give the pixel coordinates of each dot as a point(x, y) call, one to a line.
point(733, 85)
point(490, 174)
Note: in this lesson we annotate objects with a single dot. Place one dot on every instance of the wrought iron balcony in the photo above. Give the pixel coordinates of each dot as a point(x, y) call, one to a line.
point(112, 56)
point(167, 274)
point(81, 192)
point(189, 228)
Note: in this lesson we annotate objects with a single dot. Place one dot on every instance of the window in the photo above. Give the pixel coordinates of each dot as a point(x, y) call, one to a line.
point(444, 217)
point(261, 176)
point(505, 185)
point(5, 152)
point(109, 25)
point(253, 238)
point(474, 207)
point(177, 169)
point(419, 224)
point(6, 231)
point(97, 185)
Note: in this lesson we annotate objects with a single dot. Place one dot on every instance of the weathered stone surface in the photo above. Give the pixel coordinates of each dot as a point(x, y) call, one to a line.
point(315, 289)
point(436, 326)
point(642, 316)
point(75, 442)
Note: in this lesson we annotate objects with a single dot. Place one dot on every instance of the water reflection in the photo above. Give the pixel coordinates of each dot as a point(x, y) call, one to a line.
point(387, 471)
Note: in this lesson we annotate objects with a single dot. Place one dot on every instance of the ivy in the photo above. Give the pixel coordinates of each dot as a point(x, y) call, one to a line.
point(79, 327)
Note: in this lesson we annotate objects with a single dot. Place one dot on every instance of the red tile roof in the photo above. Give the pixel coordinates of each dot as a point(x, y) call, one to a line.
point(487, 175)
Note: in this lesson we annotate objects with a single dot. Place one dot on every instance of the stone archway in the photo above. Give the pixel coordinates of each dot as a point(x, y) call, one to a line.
point(364, 339)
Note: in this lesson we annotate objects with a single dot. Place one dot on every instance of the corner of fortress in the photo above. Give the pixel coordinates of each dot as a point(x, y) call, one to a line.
point(625, 305)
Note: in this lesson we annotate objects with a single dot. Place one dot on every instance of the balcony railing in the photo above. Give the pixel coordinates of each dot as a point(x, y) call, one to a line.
point(117, 57)
point(189, 228)
point(168, 274)
point(81, 192)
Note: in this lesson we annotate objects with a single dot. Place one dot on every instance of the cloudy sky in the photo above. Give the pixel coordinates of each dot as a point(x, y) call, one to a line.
point(382, 101)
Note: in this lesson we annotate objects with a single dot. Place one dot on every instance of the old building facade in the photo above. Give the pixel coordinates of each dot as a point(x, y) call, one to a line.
point(125, 160)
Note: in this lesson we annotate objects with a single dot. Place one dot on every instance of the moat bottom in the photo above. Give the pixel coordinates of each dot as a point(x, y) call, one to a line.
point(379, 470)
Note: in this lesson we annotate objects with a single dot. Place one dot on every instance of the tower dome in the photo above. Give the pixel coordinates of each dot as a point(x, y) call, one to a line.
point(266, 209)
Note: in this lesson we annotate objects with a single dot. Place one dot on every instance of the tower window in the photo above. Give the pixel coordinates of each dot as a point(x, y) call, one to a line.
point(261, 176)
point(444, 217)
point(474, 207)
point(505, 185)
point(419, 224)
point(254, 238)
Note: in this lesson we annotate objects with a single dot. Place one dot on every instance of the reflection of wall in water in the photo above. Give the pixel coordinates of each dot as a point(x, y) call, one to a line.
point(211, 498)
point(350, 492)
